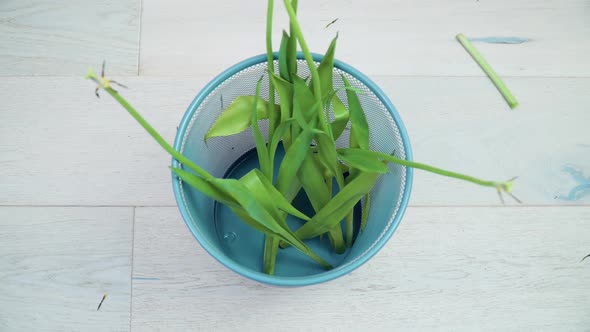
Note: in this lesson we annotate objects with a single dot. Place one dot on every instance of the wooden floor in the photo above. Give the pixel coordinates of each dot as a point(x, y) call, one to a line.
point(86, 204)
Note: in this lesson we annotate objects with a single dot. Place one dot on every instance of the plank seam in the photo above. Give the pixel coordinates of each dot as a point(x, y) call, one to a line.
point(131, 275)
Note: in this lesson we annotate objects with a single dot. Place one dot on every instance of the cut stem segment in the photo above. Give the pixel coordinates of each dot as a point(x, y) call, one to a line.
point(485, 66)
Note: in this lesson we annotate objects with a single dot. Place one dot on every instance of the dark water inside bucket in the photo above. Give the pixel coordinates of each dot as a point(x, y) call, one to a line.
point(245, 244)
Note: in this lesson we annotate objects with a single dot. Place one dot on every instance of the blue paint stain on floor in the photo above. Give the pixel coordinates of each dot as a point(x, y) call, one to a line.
point(582, 188)
point(501, 40)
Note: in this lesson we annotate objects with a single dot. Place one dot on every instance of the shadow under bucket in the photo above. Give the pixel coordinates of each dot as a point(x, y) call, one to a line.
point(238, 246)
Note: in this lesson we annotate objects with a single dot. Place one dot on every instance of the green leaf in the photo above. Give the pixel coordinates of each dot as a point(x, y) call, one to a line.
point(341, 114)
point(361, 161)
point(293, 159)
point(257, 213)
point(237, 116)
point(359, 128)
point(249, 203)
point(312, 179)
point(278, 204)
point(340, 117)
point(338, 207)
point(303, 99)
point(240, 200)
point(302, 102)
point(274, 202)
point(264, 191)
point(306, 108)
point(285, 91)
point(327, 154)
point(261, 148)
point(326, 68)
point(319, 192)
point(281, 131)
point(327, 97)
point(205, 187)
point(212, 190)
point(248, 220)
point(329, 159)
point(366, 207)
point(283, 57)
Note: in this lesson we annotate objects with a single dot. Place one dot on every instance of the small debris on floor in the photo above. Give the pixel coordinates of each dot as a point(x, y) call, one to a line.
point(101, 301)
point(334, 21)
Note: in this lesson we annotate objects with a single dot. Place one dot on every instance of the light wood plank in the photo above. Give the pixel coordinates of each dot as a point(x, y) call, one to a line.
point(468, 127)
point(64, 146)
point(66, 37)
point(447, 269)
point(56, 264)
point(399, 37)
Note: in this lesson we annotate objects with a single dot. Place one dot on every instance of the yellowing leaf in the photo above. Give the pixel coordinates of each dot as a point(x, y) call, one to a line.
point(237, 116)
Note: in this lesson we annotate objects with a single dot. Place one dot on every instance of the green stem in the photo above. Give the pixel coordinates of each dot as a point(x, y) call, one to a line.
point(311, 64)
point(439, 171)
point(292, 58)
point(349, 228)
point(485, 66)
point(270, 243)
point(181, 158)
point(271, 247)
point(272, 116)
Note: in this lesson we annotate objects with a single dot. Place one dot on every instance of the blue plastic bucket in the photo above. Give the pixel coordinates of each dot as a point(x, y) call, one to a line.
point(239, 247)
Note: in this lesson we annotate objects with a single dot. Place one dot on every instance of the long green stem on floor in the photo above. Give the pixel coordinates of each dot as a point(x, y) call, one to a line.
point(177, 155)
point(443, 172)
